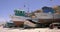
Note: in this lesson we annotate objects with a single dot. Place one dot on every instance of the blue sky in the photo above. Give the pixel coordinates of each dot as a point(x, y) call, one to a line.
point(7, 6)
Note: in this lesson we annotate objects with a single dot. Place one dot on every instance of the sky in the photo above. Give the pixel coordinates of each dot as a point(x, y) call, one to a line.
point(7, 6)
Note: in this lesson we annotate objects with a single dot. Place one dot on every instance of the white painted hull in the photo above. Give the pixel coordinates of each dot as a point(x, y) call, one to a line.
point(18, 18)
point(47, 16)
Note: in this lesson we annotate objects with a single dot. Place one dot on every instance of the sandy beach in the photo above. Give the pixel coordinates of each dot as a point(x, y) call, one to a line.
point(28, 30)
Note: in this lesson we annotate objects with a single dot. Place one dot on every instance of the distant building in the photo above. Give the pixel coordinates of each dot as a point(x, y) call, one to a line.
point(57, 9)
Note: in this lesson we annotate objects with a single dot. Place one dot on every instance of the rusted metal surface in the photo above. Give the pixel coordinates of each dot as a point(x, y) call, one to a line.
point(48, 20)
point(18, 23)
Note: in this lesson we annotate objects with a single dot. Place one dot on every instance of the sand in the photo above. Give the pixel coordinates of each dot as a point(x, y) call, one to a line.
point(28, 30)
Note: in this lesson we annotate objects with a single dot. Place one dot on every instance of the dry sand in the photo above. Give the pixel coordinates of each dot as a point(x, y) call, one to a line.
point(29, 30)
